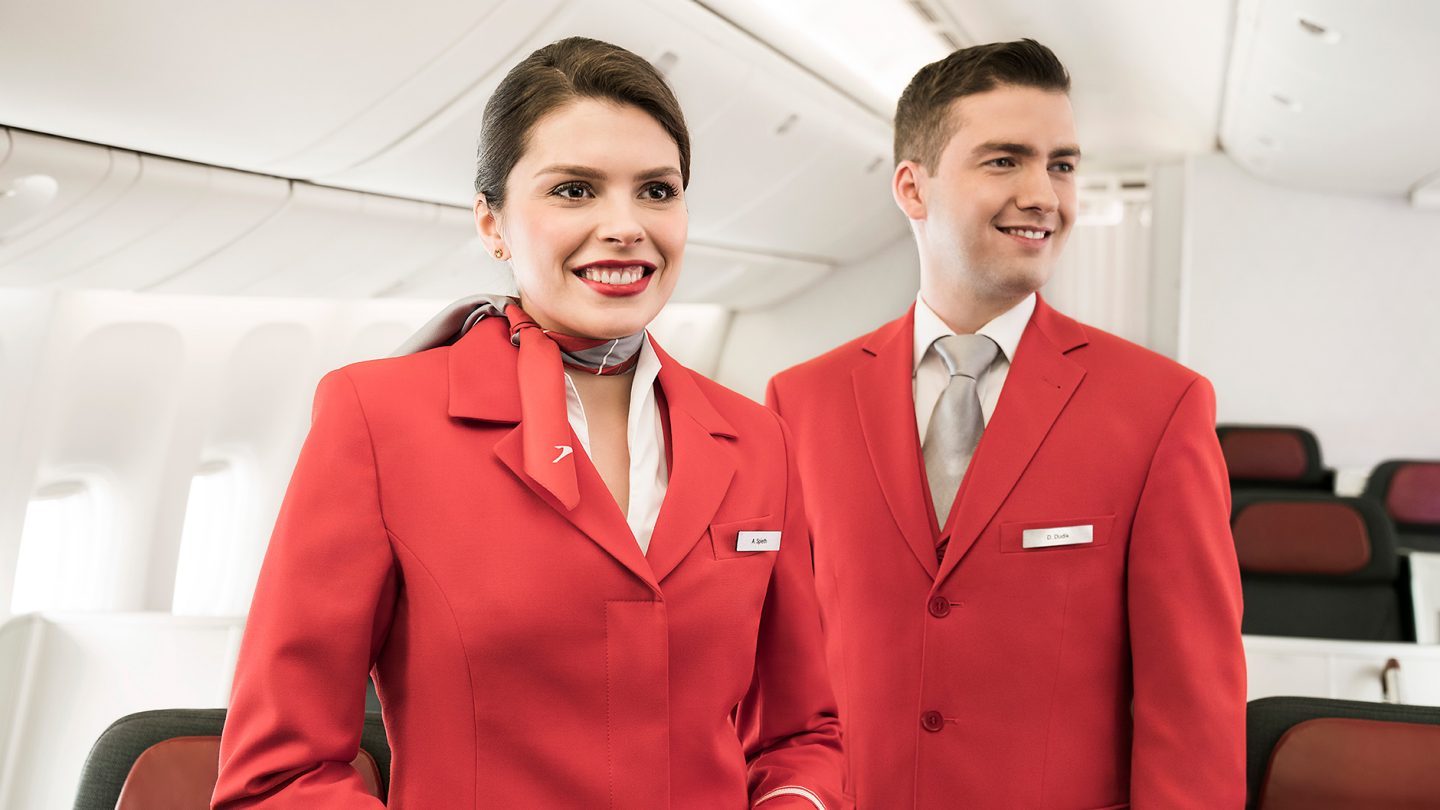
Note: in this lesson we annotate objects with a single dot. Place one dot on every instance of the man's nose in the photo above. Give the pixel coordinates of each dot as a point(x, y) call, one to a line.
point(1037, 191)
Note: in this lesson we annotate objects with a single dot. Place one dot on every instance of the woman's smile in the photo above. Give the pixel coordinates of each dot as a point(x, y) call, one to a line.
point(616, 277)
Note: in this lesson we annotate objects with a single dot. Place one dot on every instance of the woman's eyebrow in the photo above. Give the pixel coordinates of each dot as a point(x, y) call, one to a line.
point(574, 170)
point(658, 172)
point(589, 173)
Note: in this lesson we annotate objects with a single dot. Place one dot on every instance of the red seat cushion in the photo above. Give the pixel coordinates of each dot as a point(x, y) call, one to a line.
point(1286, 537)
point(1265, 455)
point(180, 773)
point(1414, 495)
point(1342, 764)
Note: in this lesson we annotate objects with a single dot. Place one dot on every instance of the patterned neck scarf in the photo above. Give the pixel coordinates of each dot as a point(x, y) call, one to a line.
point(549, 454)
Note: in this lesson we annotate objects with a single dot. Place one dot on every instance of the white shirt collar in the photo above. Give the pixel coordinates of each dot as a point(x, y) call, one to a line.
point(642, 393)
point(1005, 329)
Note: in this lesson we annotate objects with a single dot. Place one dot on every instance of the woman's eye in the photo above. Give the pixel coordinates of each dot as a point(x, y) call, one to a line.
point(572, 191)
point(657, 192)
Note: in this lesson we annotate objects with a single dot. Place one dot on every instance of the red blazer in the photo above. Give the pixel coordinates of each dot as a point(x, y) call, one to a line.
point(527, 657)
point(1081, 676)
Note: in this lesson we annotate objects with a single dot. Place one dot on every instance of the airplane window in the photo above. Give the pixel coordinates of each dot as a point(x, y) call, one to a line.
point(209, 540)
point(60, 566)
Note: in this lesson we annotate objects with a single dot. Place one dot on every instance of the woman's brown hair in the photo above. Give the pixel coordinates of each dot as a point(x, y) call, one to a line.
point(554, 76)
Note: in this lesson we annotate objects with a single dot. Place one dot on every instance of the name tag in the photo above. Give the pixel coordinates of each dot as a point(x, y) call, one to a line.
point(1062, 536)
point(757, 541)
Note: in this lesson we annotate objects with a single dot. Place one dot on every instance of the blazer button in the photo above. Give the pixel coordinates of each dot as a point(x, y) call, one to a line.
point(932, 721)
point(939, 607)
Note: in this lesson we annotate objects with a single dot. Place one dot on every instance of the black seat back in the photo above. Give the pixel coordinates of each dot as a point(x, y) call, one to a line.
point(111, 760)
point(1319, 566)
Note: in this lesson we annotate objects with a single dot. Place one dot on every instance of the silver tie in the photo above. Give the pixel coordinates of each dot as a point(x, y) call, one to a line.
point(957, 421)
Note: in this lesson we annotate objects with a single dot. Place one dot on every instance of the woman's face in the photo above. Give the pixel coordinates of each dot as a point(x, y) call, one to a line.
point(594, 220)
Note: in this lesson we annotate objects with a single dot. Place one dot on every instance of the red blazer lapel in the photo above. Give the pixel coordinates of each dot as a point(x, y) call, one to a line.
point(484, 385)
point(885, 396)
point(1040, 383)
point(701, 471)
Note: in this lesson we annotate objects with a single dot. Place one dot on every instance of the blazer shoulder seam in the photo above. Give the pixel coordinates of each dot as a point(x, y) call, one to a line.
point(374, 456)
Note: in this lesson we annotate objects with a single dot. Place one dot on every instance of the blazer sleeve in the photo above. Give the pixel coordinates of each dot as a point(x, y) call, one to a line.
point(320, 613)
point(788, 720)
point(1184, 616)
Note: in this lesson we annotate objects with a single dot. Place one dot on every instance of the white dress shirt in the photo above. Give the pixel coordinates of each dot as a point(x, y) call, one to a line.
point(645, 436)
point(931, 376)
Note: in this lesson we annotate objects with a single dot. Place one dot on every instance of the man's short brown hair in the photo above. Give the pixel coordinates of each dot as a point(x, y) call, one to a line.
point(923, 124)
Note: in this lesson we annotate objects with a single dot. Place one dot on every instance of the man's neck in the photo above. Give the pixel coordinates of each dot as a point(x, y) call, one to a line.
point(963, 310)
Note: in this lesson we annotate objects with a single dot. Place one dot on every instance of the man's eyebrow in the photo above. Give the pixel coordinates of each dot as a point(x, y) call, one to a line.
point(1024, 150)
point(588, 173)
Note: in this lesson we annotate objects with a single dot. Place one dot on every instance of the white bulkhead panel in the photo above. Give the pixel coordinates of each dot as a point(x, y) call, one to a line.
point(69, 676)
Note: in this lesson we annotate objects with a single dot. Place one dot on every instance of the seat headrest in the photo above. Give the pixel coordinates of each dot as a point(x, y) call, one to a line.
point(1280, 454)
point(180, 774)
point(1314, 535)
point(1332, 763)
point(1414, 495)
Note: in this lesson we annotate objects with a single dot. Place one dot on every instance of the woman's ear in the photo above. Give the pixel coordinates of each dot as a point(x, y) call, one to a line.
point(487, 224)
point(908, 188)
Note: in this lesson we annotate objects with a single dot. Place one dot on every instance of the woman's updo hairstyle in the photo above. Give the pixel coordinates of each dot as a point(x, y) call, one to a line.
point(558, 74)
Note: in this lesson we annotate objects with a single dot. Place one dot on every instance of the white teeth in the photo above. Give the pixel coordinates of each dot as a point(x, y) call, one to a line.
point(1025, 233)
point(629, 275)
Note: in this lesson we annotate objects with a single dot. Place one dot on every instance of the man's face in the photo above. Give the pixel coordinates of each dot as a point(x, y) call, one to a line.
point(1000, 203)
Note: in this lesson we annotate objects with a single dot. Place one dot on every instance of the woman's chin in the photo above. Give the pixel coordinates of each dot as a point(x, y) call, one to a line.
point(607, 326)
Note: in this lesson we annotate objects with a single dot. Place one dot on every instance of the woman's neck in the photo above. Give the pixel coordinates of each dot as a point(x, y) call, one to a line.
point(607, 415)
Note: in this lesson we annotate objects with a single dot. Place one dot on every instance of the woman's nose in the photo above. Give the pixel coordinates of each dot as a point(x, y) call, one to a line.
point(619, 224)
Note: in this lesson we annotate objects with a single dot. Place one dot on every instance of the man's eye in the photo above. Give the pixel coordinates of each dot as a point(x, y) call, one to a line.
point(572, 191)
point(1064, 168)
point(1003, 163)
point(659, 191)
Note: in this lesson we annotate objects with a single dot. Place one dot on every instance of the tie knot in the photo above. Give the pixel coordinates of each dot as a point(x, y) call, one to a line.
point(967, 355)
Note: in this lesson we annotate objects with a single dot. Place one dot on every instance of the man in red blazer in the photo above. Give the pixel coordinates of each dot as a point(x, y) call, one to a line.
point(1055, 623)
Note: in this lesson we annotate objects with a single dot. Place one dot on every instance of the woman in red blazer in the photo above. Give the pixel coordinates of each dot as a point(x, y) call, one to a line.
point(578, 572)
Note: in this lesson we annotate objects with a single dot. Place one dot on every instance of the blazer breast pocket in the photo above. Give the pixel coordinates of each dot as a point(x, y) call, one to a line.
point(1055, 536)
point(745, 539)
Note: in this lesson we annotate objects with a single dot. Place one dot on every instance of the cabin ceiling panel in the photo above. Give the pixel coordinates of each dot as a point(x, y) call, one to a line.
point(87, 180)
point(326, 242)
point(189, 212)
point(1333, 96)
point(236, 84)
